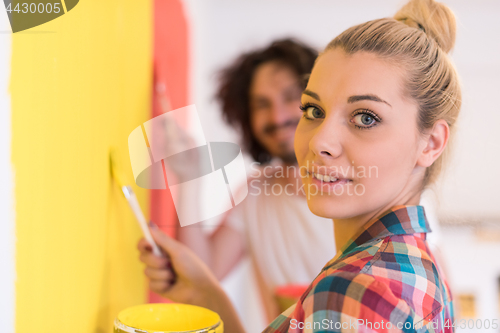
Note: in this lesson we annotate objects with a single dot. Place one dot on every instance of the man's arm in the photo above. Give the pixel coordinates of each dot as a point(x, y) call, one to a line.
point(221, 250)
point(270, 303)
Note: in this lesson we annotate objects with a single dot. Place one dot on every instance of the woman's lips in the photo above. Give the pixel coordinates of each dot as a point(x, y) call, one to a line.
point(325, 182)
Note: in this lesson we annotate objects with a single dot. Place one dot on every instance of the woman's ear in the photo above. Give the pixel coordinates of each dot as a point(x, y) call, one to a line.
point(436, 140)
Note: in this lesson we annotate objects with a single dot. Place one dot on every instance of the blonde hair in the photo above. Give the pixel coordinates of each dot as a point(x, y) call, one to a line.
point(417, 39)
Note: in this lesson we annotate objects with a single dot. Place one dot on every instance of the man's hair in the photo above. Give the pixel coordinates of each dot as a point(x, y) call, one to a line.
point(235, 81)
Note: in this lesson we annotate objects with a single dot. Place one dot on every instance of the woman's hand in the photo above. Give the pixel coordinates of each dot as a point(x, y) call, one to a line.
point(182, 277)
point(179, 275)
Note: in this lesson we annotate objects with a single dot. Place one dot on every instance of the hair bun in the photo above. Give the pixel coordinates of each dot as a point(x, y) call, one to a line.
point(434, 18)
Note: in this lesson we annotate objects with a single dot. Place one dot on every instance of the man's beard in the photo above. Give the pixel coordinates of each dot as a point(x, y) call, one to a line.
point(287, 156)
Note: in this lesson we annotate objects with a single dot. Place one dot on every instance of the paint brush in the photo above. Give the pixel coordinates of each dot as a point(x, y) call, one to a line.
point(132, 200)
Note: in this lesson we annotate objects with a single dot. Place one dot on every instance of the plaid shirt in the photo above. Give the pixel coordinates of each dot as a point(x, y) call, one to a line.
point(384, 279)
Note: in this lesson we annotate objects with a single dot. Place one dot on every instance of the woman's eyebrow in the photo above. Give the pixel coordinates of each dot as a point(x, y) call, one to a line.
point(312, 94)
point(352, 99)
point(368, 97)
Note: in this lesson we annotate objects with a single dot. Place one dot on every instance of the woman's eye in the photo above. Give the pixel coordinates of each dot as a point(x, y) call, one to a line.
point(365, 120)
point(312, 112)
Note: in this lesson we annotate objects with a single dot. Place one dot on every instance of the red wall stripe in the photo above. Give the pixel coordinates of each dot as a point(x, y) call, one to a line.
point(171, 69)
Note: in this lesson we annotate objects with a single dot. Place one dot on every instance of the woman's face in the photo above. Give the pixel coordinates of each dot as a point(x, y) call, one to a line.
point(360, 130)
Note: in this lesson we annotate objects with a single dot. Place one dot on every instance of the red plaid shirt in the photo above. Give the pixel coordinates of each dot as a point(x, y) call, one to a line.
point(384, 279)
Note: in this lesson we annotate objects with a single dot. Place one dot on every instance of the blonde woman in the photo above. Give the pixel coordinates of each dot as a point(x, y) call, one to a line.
point(382, 97)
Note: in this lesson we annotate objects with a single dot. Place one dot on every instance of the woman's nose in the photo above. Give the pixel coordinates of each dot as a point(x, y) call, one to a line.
point(326, 142)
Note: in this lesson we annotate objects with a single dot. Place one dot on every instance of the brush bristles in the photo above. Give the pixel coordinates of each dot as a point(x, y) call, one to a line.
point(116, 171)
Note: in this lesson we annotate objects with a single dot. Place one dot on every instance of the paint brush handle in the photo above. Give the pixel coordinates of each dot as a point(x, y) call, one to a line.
point(134, 205)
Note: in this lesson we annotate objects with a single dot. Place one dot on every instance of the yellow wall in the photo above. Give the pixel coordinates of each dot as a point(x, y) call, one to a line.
point(79, 86)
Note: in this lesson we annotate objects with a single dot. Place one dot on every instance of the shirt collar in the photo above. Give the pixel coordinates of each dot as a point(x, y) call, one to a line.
point(399, 220)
